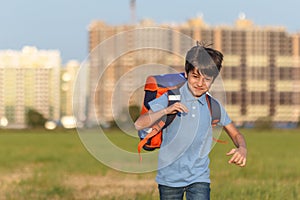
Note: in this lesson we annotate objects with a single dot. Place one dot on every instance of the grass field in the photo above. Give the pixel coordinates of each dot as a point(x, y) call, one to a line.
point(39, 164)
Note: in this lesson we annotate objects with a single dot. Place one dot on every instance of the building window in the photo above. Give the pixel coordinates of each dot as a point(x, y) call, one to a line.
point(259, 98)
point(259, 73)
point(285, 73)
point(231, 73)
point(232, 98)
point(285, 98)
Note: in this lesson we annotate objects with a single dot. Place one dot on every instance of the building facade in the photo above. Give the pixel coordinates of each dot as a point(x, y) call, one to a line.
point(29, 79)
point(261, 71)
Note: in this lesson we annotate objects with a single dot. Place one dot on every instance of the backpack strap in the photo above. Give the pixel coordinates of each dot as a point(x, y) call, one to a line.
point(155, 130)
point(215, 111)
point(173, 97)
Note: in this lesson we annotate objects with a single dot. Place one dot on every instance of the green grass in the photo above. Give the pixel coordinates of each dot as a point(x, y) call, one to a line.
point(38, 164)
point(272, 170)
point(59, 152)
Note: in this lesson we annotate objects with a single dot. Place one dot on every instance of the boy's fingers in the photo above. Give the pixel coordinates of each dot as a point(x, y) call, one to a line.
point(184, 108)
point(232, 151)
point(232, 160)
point(180, 107)
point(244, 163)
point(236, 158)
point(240, 161)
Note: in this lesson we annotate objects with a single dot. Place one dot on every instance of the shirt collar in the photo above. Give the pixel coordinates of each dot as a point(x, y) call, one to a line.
point(188, 96)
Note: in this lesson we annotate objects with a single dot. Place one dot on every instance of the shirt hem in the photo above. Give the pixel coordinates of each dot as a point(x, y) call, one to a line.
point(182, 184)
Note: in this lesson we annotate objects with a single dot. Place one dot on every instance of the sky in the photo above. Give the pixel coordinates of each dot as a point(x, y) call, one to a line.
point(62, 24)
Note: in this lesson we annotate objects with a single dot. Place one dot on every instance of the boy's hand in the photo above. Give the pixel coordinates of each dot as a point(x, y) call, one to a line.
point(176, 107)
point(238, 156)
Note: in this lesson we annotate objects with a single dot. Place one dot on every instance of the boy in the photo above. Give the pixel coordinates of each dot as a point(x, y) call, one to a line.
point(183, 162)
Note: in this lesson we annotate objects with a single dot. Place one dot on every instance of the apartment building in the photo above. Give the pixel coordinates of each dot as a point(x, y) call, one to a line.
point(261, 71)
point(29, 79)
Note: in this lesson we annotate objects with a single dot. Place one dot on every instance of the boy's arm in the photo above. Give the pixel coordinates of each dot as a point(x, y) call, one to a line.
point(149, 118)
point(240, 153)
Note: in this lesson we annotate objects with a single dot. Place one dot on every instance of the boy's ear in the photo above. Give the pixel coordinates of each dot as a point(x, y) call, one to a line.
point(185, 75)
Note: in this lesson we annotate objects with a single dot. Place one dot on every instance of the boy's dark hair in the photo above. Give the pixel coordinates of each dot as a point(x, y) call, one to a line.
point(207, 60)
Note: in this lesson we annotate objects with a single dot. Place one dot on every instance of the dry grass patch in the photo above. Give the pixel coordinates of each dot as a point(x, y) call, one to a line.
point(112, 185)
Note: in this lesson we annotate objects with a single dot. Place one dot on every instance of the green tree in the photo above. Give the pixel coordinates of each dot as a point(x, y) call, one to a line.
point(264, 123)
point(123, 119)
point(35, 119)
point(134, 112)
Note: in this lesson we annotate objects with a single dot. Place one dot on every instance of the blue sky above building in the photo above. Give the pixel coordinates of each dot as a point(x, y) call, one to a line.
point(62, 24)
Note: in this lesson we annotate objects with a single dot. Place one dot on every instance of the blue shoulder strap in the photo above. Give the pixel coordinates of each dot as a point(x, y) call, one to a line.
point(215, 109)
point(173, 97)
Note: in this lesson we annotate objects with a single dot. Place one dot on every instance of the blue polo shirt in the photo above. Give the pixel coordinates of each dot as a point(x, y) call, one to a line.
point(183, 155)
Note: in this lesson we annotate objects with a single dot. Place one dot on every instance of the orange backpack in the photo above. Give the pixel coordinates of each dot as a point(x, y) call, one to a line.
point(151, 138)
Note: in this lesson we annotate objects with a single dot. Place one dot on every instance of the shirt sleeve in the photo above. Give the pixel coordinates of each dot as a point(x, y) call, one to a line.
point(159, 103)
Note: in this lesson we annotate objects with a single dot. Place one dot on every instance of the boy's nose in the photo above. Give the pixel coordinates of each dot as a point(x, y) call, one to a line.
point(201, 81)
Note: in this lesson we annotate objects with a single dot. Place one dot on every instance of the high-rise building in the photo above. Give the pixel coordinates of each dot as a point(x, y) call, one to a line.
point(118, 58)
point(261, 70)
point(29, 79)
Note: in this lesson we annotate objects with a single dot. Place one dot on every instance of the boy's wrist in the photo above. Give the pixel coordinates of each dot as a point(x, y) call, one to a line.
point(243, 148)
point(164, 112)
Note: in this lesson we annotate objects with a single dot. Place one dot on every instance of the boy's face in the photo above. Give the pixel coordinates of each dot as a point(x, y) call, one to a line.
point(198, 83)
